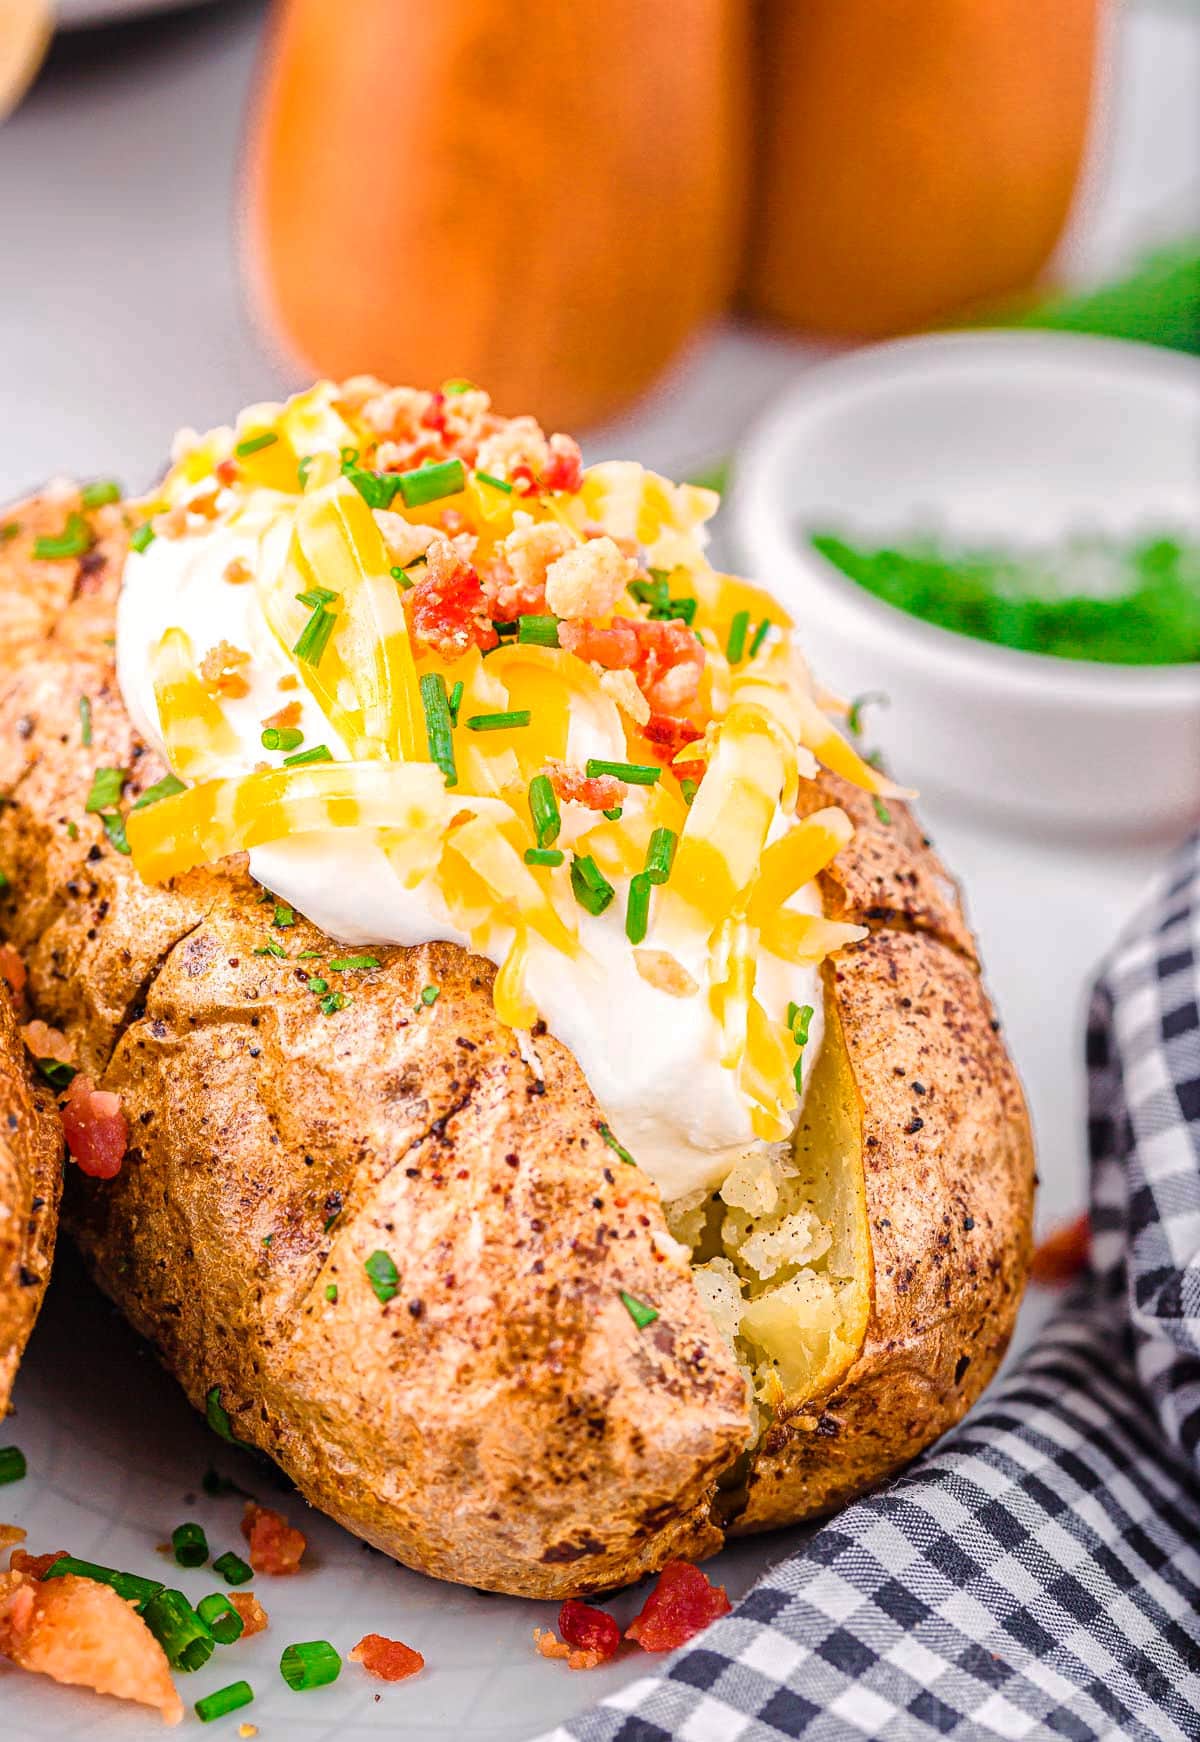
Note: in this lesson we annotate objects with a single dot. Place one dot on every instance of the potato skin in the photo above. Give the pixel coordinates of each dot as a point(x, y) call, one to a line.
point(500, 1421)
point(31, 1151)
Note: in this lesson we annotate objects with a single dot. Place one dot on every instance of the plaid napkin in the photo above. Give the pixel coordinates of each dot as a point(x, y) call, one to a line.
point(1038, 1573)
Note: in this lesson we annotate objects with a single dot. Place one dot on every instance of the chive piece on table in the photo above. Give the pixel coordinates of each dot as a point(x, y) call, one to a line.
point(318, 753)
point(221, 1618)
point(254, 444)
point(641, 1314)
point(313, 1664)
point(141, 537)
point(735, 647)
point(437, 724)
point(431, 483)
point(107, 786)
point(632, 773)
point(499, 722)
point(233, 1569)
point(178, 1629)
point(190, 1545)
point(537, 631)
point(637, 911)
point(75, 539)
point(544, 855)
point(12, 1464)
point(224, 1701)
point(383, 1276)
point(660, 854)
point(592, 889)
point(131, 1586)
point(544, 811)
point(167, 787)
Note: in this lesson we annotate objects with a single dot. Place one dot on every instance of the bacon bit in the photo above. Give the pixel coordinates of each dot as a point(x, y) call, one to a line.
point(551, 1646)
point(172, 522)
point(387, 1659)
point(254, 1616)
point(220, 669)
point(10, 1533)
point(45, 1042)
point(95, 1128)
point(599, 792)
point(515, 579)
point(659, 968)
point(1062, 1255)
point(447, 608)
point(226, 472)
point(669, 665)
point(434, 414)
point(275, 1546)
point(79, 1632)
point(289, 681)
point(565, 468)
point(615, 648)
point(12, 973)
point(523, 481)
point(245, 1731)
point(588, 1629)
point(288, 715)
point(36, 1566)
point(682, 1604)
point(236, 571)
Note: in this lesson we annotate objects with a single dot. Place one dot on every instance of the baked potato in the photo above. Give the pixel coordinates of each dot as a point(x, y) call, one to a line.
point(530, 1277)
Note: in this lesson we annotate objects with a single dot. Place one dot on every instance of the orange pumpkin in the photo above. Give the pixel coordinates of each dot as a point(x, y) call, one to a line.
point(544, 198)
point(914, 156)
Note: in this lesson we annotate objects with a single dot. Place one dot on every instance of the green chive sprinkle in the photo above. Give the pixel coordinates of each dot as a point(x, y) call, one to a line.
point(12, 1464)
point(318, 753)
point(496, 483)
point(881, 810)
point(10, 530)
point(544, 856)
point(233, 1569)
point(308, 955)
point(73, 831)
point(5, 880)
point(284, 915)
point(220, 1617)
point(458, 384)
point(854, 714)
point(383, 1276)
point(617, 1147)
point(353, 964)
point(454, 701)
point(216, 1416)
point(132, 1586)
point(85, 719)
point(537, 631)
point(689, 789)
point(271, 948)
point(615, 814)
point(224, 1701)
point(282, 737)
point(429, 994)
point(74, 540)
point(735, 647)
point(302, 469)
point(167, 787)
point(592, 889)
point(312, 1665)
point(314, 637)
point(315, 596)
point(543, 809)
point(799, 1018)
point(498, 722)
point(113, 824)
point(317, 985)
point(255, 444)
point(331, 1293)
point(190, 1545)
point(437, 724)
point(107, 786)
point(760, 635)
point(333, 1002)
point(504, 626)
point(141, 537)
point(56, 1073)
point(431, 483)
point(641, 1314)
point(660, 854)
point(637, 910)
point(632, 773)
point(406, 581)
point(178, 1629)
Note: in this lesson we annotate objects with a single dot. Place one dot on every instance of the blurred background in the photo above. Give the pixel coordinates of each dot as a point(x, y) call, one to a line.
point(657, 227)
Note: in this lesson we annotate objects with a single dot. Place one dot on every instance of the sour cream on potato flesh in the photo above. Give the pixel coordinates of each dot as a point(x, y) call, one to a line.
point(651, 1058)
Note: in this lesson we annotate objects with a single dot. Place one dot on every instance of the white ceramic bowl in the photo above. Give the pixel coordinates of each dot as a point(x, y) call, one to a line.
point(1012, 437)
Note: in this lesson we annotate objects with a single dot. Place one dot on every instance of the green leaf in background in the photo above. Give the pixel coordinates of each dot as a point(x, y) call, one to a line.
point(1158, 303)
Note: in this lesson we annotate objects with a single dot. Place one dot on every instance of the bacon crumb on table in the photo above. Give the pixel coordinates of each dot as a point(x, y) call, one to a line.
point(388, 1660)
point(275, 1546)
point(588, 1629)
point(254, 1617)
point(1062, 1255)
point(35, 1565)
point(95, 1128)
point(682, 1604)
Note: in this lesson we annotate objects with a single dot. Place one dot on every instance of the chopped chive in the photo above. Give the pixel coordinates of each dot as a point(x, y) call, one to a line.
point(684, 610)
point(178, 1629)
point(429, 994)
point(353, 964)
point(537, 631)
point(735, 647)
point(437, 724)
point(318, 753)
point(660, 854)
point(12, 1464)
point(544, 856)
point(431, 483)
point(311, 1665)
point(74, 540)
point(641, 1314)
point(107, 786)
point(348, 456)
point(232, 1568)
point(141, 537)
point(58, 1074)
point(267, 1239)
point(689, 788)
point(217, 1417)
point(454, 701)
point(458, 384)
point(10, 530)
point(637, 910)
point(617, 1147)
point(271, 948)
point(383, 1276)
point(220, 1617)
point(633, 773)
point(281, 737)
point(308, 955)
point(331, 1293)
point(314, 637)
point(318, 986)
point(592, 889)
point(284, 915)
point(333, 1002)
point(505, 626)
point(73, 831)
point(543, 809)
point(167, 787)
point(85, 719)
point(496, 483)
point(113, 824)
point(498, 722)
point(315, 596)
point(405, 580)
point(302, 469)
point(760, 635)
point(854, 713)
point(255, 444)
point(615, 814)
point(5, 879)
point(131, 1586)
point(224, 1700)
point(881, 810)
point(655, 592)
point(189, 1544)
point(799, 1018)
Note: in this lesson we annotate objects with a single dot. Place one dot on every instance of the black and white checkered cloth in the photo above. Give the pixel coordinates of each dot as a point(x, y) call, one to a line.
point(1037, 1574)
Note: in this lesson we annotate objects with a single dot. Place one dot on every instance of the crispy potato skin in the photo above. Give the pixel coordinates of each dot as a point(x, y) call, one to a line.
point(500, 1421)
point(31, 1150)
